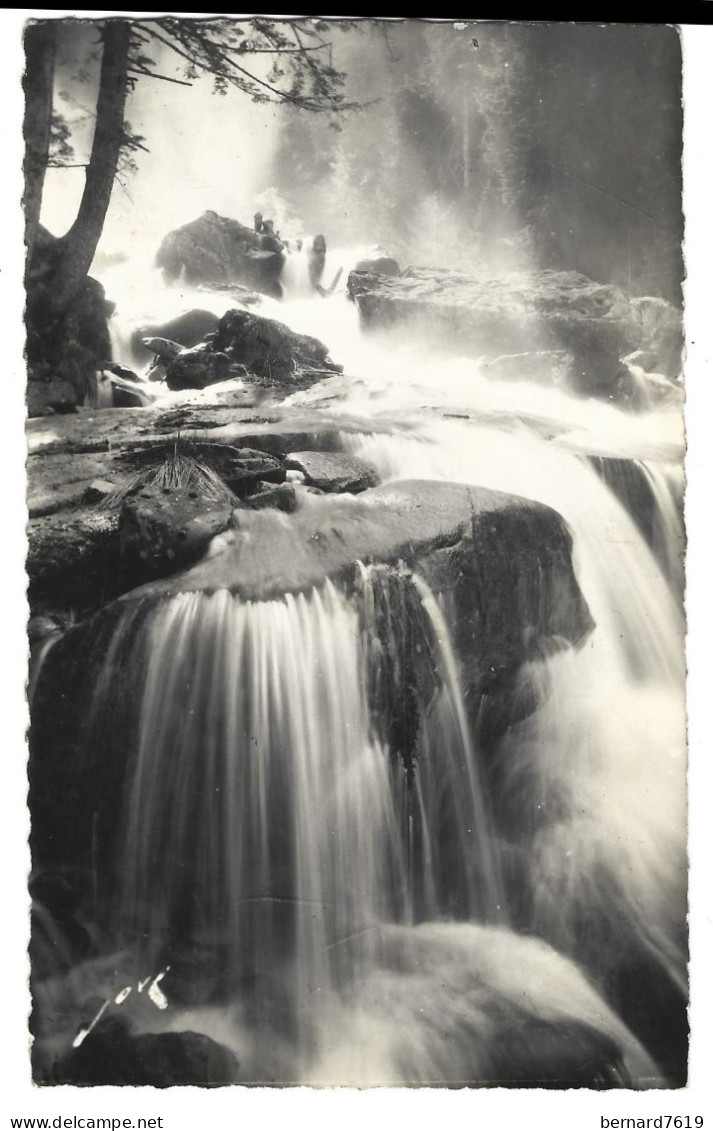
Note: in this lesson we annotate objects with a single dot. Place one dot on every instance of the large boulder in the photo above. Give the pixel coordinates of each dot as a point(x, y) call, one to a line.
point(505, 561)
point(271, 351)
point(596, 325)
point(248, 346)
point(187, 329)
point(216, 249)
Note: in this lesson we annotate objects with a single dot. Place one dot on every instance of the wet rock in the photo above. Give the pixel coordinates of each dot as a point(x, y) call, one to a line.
point(243, 468)
point(187, 330)
point(126, 394)
point(548, 310)
point(504, 562)
point(77, 461)
point(216, 249)
point(282, 498)
point(333, 471)
point(102, 437)
point(162, 530)
point(199, 367)
point(271, 351)
point(112, 1054)
point(164, 348)
point(125, 373)
point(156, 372)
point(73, 560)
point(382, 265)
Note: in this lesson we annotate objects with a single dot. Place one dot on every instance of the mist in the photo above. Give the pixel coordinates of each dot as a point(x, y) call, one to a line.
point(508, 145)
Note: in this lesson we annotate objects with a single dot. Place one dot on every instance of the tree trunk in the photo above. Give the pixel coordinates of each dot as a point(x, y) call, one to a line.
point(79, 244)
point(40, 39)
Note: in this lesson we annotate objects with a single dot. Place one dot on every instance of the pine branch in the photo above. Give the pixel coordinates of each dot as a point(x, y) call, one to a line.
point(154, 75)
point(215, 59)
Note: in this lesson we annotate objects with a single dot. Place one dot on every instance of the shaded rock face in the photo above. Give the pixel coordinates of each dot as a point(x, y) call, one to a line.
point(63, 353)
point(333, 471)
point(199, 367)
point(187, 330)
point(216, 249)
point(594, 324)
point(73, 560)
point(271, 351)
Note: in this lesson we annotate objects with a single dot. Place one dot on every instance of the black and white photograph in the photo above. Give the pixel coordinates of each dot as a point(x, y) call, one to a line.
point(355, 563)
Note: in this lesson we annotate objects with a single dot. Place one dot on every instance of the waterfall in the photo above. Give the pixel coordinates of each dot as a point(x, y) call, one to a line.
point(268, 825)
point(347, 873)
point(591, 788)
point(261, 777)
point(308, 848)
point(294, 279)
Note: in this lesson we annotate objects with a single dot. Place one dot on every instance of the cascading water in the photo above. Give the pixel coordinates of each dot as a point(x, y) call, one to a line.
point(306, 831)
point(313, 799)
point(295, 277)
point(591, 788)
point(593, 785)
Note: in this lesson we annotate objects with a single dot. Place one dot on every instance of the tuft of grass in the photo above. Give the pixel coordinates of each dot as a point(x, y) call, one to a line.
point(176, 471)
